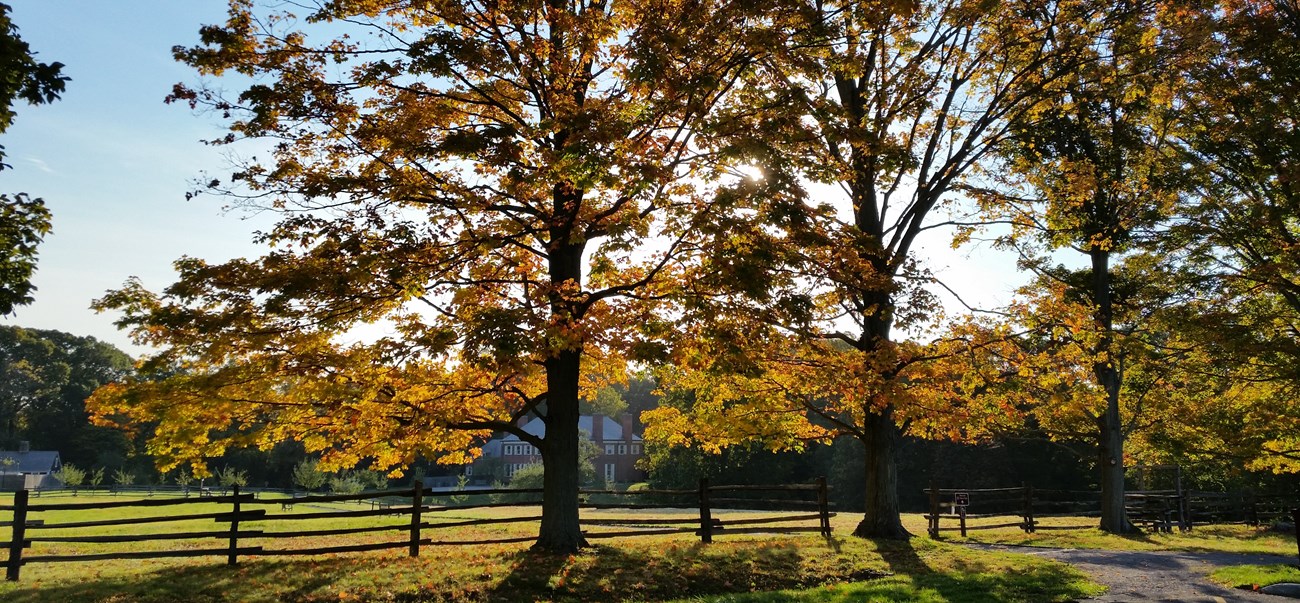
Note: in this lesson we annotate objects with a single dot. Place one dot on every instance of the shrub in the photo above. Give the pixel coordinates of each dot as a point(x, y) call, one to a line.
point(346, 483)
point(231, 476)
point(307, 476)
point(71, 476)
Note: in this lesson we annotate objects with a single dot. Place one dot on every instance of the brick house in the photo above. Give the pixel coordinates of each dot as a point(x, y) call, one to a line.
point(619, 444)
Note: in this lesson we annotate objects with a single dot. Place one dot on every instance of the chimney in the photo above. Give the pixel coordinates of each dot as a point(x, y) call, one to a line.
point(597, 428)
point(24, 446)
point(627, 426)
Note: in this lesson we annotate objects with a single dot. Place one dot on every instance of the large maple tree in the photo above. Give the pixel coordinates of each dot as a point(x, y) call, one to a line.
point(863, 125)
point(468, 193)
point(1238, 235)
point(1097, 172)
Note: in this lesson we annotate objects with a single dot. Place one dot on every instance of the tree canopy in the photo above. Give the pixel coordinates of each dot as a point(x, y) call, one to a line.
point(45, 379)
point(863, 124)
point(492, 211)
point(468, 195)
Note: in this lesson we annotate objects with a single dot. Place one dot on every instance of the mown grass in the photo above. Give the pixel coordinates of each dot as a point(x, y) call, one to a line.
point(1082, 533)
point(1252, 577)
point(656, 568)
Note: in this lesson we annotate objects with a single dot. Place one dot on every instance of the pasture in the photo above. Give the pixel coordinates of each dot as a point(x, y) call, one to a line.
point(675, 566)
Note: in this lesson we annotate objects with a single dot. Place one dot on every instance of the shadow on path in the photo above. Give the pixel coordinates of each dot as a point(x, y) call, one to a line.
point(1154, 575)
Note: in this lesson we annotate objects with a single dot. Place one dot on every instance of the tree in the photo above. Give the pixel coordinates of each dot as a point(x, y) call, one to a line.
point(347, 482)
point(70, 476)
point(893, 104)
point(122, 477)
point(95, 478)
point(479, 180)
point(307, 476)
point(45, 379)
point(1096, 171)
point(231, 476)
point(1238, 236)
point(24, 221)
point(184, 479)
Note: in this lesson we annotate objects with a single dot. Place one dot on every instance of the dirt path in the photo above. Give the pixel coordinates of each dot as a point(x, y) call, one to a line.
point(1156, 575)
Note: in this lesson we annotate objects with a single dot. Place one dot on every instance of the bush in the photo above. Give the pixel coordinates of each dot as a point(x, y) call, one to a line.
point(122, 477)
point(527, 477)
point(71, 476)
point(231, 476)
point(307, 476)
point(346, 483)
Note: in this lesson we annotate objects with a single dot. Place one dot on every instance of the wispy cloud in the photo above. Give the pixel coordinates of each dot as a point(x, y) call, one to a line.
point(40, 165)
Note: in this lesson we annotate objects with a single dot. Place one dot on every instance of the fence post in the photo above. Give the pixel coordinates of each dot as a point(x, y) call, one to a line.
point(417, 505)
point(934, 511)
point(706, 519)
point(1029, 509)
point(1183, 524)
point(1295, 521)
point(234, 528)
point(824, 506)
point(961, 513)
point(19, 533)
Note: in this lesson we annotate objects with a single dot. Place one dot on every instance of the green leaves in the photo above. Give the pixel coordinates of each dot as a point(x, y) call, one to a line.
point(21, 76)
point(24, 222)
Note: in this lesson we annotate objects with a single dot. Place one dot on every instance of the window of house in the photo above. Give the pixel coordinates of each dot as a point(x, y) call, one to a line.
point(636, 449)
point(622, 448)
point(609, 449)
point(469, 471)
point(609, 472)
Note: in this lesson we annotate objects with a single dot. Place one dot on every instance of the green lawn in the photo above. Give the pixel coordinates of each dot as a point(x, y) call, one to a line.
point(1082, 533)
point(657, 568)
point(1254, 576)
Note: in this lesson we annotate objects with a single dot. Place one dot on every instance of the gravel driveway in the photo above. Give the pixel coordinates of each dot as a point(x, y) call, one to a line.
point(1156, 575)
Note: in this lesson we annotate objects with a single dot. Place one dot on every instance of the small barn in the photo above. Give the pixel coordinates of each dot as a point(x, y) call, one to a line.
point(28, 469)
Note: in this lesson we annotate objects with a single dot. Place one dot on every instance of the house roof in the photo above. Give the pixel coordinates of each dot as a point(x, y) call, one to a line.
point(610, 429)
point(35, 461)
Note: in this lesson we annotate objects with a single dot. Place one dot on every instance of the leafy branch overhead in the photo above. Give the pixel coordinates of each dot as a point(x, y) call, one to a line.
point(24, 221)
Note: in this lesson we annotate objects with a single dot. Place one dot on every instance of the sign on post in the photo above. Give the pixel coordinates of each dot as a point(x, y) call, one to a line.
point(961, 499)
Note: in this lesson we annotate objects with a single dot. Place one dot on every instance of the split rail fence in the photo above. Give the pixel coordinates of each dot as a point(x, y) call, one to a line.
point(1159, 510)
point(235, 537)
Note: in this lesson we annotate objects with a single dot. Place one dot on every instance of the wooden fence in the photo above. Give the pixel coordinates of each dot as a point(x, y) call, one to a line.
point(808, 501)
point(1159, 510)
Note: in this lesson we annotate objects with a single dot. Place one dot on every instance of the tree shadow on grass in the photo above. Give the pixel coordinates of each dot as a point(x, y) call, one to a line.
point(672, 571)
point(262, 580)
point(805, 569)
point(928, 571)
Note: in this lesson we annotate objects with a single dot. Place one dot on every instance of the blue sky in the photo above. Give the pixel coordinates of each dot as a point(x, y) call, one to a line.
point(111, 160)
point(113, 163)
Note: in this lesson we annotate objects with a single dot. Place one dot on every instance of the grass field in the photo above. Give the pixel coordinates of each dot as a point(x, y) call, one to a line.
point(1252, 577)
point(1080, 532)
point(677, 567)
point(741, 568)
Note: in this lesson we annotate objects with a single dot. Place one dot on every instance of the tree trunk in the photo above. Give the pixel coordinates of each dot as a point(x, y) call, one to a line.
point(560, 531)
point(1110, 433)
point(881, 518)
point(1114, 519)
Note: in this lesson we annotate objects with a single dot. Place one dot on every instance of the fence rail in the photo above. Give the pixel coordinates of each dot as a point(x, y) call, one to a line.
point(414, 532)
point(1160, 510)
